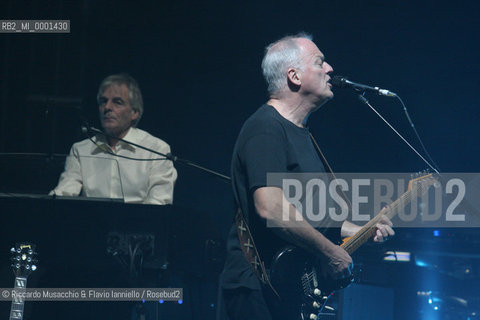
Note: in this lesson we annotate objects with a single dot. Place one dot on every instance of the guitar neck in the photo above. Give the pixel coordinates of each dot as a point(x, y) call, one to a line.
point(16, 311)
point(369, 229)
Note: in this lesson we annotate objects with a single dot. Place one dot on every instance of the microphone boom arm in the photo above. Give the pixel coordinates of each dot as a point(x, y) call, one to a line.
point(167, 156)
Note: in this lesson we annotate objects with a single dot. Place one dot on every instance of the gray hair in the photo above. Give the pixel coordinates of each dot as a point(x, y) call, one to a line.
point(279, 56)
point(134, 93)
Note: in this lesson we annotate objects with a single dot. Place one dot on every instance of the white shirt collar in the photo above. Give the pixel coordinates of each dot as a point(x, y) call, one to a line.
point(101, 145)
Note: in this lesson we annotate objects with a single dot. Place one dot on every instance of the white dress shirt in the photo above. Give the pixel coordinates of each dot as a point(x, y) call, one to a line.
point(92, 172)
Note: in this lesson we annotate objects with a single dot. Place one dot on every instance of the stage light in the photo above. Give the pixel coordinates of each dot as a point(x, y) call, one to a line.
point(397, 256)
point(421, 263)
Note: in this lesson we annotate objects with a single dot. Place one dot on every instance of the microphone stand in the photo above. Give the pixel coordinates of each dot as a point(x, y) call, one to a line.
point(168, 156)
point(365, 101)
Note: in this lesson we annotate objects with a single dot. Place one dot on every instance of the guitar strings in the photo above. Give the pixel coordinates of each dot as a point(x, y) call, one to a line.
point(369, 227)
point(361, 236)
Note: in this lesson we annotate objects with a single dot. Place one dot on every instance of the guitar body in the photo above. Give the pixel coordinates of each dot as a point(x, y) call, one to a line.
point(302, 287)
point(299, 281)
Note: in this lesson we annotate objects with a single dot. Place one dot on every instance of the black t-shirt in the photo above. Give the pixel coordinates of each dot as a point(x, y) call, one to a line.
point(267, 143)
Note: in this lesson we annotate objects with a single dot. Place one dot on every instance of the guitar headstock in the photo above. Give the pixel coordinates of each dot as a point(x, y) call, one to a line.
point(421, 181)
point(23, 257)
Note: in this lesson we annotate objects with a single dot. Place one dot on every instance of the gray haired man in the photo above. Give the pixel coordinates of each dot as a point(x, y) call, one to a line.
point(276, 139)
point(106, 167)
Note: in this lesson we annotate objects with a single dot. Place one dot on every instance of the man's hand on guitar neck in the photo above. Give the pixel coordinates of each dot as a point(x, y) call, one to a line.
point(382, 233)
point(384, 229)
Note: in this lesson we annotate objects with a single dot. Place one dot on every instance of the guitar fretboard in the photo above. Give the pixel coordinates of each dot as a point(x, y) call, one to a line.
point(368, 230)
point(20, 287)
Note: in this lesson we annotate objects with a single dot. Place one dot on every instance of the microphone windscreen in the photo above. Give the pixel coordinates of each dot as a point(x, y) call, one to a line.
point(338, 81)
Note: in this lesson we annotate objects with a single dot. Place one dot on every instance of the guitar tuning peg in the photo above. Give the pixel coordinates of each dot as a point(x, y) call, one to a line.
point(34, 267)
point(12, 250)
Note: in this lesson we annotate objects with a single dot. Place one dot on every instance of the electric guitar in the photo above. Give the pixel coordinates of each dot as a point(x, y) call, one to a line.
point(302, 288)
point(24, 261)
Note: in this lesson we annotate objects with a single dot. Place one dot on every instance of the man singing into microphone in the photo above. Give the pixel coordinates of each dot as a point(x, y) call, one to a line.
point(275, 139)
point(99, 167)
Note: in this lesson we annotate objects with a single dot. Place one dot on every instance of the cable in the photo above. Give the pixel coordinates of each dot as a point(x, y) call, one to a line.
point(364, 100)
point(416, 133)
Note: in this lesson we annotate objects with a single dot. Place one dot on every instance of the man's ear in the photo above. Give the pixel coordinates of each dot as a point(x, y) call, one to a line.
point(293, 76)
point(135, 114)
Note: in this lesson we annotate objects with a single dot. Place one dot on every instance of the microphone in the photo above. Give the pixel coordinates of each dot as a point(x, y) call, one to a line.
point(86, 129)
point(342, 82)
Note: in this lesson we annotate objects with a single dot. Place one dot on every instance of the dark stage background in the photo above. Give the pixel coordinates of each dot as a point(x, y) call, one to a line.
point(198, 66)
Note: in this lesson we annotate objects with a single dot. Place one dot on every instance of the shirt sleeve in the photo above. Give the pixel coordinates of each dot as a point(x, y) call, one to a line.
point(263, 153)
point(161, 179)
point(70, 182)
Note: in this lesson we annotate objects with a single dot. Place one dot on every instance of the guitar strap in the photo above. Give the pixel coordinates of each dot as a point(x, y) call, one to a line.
point(250, 250)
point(327, 165)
